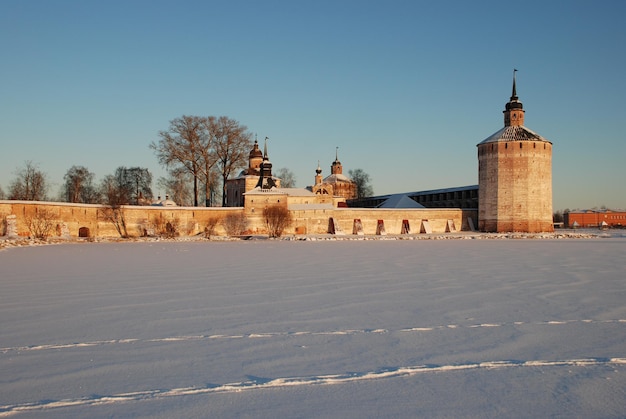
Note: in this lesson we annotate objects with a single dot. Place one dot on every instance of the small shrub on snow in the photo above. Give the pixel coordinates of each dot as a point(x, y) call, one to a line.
point(235, 224)
point(42, 224)
point(277, 218)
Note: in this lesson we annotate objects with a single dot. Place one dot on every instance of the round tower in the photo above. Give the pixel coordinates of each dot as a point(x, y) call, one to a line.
point(515, 176)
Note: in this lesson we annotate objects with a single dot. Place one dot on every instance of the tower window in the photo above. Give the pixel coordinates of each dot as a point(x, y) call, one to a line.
point(520, 145)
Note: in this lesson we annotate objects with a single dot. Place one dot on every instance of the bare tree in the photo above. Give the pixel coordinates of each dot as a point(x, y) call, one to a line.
point(115, 215)
point(79, 186)
point(277, 218)
point(169, 228)
point(140, 180)
point(176, 185)
point(212, 188)
point(208, 173)
point(210, 227)
point(1, 193)
point(232, 145)
point(235, 224)
point(30, 184)
point(128, 186)
point(115, 197)
point(201, 146)
point(123, 188)
point(114, 193)
point(181, 145)
point(362, 181)
point(287, 178)
point(41, 225)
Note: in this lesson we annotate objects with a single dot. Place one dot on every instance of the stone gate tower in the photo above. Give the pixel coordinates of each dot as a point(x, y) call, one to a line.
point(515, 176)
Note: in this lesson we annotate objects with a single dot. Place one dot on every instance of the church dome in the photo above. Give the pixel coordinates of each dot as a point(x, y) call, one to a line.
point(256, 152)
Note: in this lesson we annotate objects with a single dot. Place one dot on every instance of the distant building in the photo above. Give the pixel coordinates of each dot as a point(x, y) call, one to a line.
point(258, 174)
point(167, 202)
point(465, 197)
point(595, 218)
point(336, 184)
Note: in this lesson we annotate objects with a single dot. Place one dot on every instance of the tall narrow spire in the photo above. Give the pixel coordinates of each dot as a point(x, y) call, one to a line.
point(514, 110)
point(265, 170)
point(514, 93)
point(259, 184)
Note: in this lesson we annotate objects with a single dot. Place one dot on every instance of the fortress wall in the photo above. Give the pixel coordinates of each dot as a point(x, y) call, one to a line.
point(316, 221)
point(70, 218)
point(190, 220)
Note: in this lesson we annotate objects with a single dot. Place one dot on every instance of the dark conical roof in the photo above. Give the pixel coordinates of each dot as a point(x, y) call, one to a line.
point(513, 133)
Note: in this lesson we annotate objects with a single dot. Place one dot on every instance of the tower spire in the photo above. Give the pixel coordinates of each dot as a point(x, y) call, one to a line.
point(514, 110)
point(514, 93)
point(265, 170)
point(336, 168)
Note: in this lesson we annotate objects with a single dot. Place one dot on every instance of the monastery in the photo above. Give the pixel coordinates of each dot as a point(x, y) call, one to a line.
point(514, 194)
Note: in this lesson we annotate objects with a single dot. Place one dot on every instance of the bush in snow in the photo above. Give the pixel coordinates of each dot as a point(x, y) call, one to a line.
point(235, 224)
point(42, 224)
point(277, 218)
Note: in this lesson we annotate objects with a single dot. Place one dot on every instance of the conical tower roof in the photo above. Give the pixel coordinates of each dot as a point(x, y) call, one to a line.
point(512, 131)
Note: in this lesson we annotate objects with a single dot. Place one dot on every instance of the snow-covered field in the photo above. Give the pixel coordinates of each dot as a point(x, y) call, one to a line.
point(428, 328)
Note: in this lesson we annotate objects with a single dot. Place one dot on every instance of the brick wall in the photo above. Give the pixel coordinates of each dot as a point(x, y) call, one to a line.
point(191, 221)
point(515, 186)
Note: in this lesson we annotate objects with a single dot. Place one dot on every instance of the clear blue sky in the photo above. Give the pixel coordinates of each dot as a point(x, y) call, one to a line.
point(405, 89)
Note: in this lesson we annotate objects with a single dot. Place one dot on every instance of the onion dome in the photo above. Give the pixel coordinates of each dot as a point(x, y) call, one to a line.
point(256, 152)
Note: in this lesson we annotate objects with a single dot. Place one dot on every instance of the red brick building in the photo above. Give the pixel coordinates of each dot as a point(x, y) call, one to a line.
point(594, 218)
